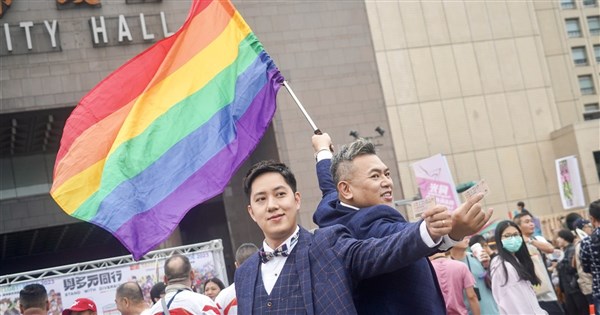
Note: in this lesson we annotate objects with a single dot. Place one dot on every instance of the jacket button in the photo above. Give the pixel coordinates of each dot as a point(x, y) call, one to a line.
point(269, 304)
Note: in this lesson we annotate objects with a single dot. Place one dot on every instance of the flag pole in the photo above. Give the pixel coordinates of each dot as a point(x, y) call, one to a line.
point(310, 121)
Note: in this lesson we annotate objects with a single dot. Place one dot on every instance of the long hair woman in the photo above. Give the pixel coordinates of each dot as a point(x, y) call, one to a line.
point(513, 273)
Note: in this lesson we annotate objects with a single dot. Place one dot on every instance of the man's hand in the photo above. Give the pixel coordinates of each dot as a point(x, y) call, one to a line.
point(469, 218)
point(321, 142)
point(438, 222)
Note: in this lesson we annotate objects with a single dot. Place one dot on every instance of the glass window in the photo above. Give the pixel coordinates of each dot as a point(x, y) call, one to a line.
point(586, 85)
point(592, 111)
point(597, 53)
point(567, 4)
point(594, 107)
point(594, 24)
point(579, 55)
point(573, 29)
point(597, 160)
point(590, 3)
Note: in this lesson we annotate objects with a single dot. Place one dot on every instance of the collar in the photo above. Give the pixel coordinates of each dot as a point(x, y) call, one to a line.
point(177, 287)
point(35, 311)
point(288, 241)
point(349, 206)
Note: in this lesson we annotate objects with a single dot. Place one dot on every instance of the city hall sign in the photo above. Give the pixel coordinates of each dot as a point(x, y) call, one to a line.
point(44, 36)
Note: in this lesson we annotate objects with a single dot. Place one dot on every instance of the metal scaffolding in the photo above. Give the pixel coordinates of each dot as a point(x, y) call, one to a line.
point(216, 246)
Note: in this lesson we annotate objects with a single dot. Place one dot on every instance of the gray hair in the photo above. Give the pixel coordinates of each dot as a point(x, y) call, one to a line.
point(244, 252)
point(341, 163)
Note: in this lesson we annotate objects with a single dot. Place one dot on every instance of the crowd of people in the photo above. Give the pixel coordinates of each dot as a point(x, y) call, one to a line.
point(365, 258)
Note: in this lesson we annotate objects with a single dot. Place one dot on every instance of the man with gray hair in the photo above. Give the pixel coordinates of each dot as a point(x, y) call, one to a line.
point(226, 300)
point(130, 299)
point(179, 298)
point(358, 193)
point(33, 300)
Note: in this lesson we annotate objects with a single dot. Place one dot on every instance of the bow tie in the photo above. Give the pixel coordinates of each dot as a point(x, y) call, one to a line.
point(282, 250)
point(266, 256)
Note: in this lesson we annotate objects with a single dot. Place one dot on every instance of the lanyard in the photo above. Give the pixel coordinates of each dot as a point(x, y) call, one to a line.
point(166, 306)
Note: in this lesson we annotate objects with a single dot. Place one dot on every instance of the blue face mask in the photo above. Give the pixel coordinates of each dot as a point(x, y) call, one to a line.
point(512, 244)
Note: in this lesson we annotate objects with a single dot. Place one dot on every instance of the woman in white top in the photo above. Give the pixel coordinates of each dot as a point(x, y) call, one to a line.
point(513, 273)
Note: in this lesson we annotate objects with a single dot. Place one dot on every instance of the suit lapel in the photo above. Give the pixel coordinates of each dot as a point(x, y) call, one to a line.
point(249, 277)
point(303, 269)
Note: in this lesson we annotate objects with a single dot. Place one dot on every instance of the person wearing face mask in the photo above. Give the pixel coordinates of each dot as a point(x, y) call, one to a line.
point(513, 273)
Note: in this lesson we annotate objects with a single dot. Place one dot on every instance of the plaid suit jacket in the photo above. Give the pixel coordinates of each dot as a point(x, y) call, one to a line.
point(329, 264)
point(413, 288)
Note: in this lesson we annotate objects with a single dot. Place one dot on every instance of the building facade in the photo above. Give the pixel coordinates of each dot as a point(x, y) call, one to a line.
point(501, 88)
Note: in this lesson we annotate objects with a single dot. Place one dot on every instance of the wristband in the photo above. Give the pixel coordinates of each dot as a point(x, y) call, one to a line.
point(319, 151)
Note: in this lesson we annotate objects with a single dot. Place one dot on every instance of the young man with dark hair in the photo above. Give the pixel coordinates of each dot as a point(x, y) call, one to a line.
point(297, 272)
point(33, 300)
point(358, 193)
point(590, 253)
point(536, 245)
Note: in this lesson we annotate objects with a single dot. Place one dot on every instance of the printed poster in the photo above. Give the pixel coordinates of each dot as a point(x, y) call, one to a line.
point(569, 183)
point(435, 179)
point(100, 285)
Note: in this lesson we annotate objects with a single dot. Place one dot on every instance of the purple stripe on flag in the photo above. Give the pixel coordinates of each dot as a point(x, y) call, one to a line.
point(150, 228)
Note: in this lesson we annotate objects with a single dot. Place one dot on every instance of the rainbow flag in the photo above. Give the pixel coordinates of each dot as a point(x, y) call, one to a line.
point(167, 130)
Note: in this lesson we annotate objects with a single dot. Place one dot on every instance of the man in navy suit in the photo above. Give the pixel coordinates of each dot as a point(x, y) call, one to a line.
point(357, 193)
point(297, 272)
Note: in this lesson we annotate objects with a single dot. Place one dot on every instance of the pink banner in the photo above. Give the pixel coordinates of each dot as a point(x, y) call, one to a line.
point(434, 178)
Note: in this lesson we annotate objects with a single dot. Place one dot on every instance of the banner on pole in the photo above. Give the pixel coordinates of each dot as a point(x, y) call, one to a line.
point(435, 179)
point(569, 183)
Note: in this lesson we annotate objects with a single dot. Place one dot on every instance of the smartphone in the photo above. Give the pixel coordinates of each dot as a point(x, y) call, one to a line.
point(477, 250)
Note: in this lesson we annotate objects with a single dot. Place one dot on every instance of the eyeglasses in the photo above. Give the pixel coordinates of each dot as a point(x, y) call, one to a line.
point(517, 234)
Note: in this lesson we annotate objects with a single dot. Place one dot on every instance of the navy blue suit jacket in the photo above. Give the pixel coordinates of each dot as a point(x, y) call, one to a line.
point(329, 264)
point(414, 288)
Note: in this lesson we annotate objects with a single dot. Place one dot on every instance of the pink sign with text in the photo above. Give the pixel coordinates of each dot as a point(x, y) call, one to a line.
point(434, 178)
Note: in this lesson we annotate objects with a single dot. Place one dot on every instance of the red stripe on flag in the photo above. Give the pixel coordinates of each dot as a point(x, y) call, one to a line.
point(145, 64)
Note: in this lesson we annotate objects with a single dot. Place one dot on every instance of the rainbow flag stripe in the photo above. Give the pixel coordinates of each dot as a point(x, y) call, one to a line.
point(167, 130)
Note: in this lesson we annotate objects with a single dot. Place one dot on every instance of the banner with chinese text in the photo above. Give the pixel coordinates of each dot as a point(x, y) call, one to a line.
point(434, 178)
point(100, 285)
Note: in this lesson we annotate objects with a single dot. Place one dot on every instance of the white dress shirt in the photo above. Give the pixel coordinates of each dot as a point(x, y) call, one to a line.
point(271, 270)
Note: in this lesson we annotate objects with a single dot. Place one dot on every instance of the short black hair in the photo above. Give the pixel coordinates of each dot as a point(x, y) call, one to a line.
point(570, 220)
point(566, 235)
point(517, 218)
point(521, 204)
point(595, 210)
point(132, 291)
point(216, 281)
point(268, 166)
point(157, 290)
point(33, 296)
point(477, 239)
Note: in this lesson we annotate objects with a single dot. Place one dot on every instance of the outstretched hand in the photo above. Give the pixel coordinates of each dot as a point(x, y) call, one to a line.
point(438, 221)
point(469, 218)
